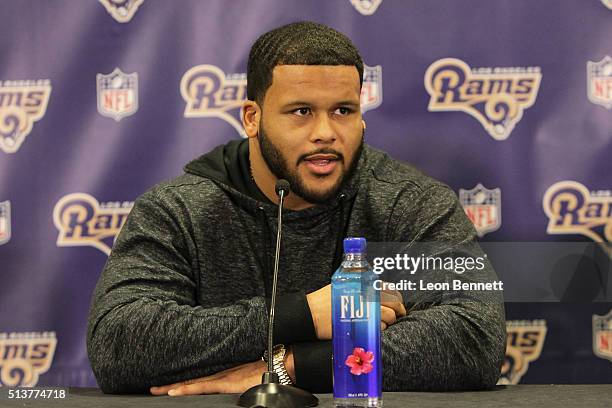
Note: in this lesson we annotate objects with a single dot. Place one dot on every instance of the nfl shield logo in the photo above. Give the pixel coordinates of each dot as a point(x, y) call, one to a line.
point(366, 7)
point(117, 94)
point(483, 208)
point(5, 222)
point(371, 89)
point(607, 3)
point(602, 336)
point(599, 82)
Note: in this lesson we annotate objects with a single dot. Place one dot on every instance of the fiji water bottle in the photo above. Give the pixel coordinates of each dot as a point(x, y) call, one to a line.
point(356, 330)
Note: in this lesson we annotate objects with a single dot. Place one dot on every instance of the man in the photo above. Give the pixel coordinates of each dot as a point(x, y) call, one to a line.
point(181, 307)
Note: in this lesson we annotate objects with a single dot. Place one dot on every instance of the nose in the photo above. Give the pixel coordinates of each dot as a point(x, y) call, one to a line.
point(323, 131)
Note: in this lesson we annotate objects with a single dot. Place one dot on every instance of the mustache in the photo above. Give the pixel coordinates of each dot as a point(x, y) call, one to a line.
point(323, 150)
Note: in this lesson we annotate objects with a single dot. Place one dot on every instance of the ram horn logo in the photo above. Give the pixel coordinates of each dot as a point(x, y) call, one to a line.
point(602, 336)
point(121, 10)
point(496, 97)
point(5, 222)
point(117, 94)
point(599, 82)
point(21, 104)
point(524, 341)
point(483, 208)
point(572, 209)
point(371, 89)
point(210, 93)
point(24, 357)
point(82, 221)
point(366, 7)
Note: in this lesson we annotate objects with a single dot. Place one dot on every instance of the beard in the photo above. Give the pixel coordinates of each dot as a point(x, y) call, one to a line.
point(279, 166)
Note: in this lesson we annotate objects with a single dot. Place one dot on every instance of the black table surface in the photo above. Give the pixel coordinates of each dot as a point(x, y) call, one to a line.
point(512, 396)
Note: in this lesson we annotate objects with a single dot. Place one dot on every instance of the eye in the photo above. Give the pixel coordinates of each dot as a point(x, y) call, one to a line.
point(302, 111)
point(343, 111)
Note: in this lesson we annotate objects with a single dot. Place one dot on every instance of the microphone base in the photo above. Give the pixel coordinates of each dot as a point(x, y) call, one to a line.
point(271, 394)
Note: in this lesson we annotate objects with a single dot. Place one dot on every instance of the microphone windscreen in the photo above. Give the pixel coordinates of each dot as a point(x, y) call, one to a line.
point(282, 185)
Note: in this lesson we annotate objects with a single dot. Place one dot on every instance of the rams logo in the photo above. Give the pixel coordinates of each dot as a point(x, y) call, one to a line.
point(366, 7)
point(496, 97)
point(524, 341)
point(483, 208)
point(572, 209)
point(5, 222)
point(24, 357)
point(209, 92)
point(602, 336)
point(21, 104)
point(121, 10)
point(82, 221)
point(599, 82)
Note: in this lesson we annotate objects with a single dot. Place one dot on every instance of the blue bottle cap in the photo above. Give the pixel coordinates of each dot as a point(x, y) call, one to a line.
point(354, 245)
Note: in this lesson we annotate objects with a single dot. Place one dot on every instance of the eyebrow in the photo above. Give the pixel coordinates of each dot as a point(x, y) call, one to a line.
point(297, 104)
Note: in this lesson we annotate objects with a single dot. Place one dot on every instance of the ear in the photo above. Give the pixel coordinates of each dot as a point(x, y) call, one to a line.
point(251, 115)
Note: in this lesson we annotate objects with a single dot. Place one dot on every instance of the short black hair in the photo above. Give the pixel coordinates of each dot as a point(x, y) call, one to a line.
point(302, 43)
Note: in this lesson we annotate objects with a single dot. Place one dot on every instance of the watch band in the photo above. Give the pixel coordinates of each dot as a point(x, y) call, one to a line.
point(278, 363)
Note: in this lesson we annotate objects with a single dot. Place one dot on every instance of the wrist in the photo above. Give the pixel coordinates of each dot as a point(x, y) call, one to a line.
point(290, 364)
point(314, 313)
point(279, 364)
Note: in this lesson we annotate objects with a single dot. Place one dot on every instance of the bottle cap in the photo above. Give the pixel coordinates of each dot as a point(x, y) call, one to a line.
point(354, 245)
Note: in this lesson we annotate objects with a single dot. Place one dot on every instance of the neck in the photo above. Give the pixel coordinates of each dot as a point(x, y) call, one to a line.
point(266, 180)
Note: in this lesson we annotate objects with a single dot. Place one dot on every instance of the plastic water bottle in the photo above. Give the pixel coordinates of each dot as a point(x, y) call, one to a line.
point(356, 330)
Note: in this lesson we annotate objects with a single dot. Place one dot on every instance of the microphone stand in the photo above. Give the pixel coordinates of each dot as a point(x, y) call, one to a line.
point(270, 393)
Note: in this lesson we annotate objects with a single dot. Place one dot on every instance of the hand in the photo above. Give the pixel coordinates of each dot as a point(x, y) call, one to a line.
point(391, 307)
point(234, 380)
point(231, 381)
point(319, 301)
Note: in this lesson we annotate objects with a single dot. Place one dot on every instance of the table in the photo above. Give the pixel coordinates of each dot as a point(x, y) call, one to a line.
point(513, 396)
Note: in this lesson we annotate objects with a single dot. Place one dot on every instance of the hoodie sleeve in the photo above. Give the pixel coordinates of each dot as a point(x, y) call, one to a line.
point(145, 326)
point(448, 340)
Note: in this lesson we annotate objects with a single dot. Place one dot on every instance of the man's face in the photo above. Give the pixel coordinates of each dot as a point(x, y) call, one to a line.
point(311, 131)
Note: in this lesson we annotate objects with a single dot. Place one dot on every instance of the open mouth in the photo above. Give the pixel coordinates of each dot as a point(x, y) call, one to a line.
point(321, 164)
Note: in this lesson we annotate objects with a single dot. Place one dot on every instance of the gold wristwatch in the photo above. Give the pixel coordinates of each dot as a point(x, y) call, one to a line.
point(278, 363)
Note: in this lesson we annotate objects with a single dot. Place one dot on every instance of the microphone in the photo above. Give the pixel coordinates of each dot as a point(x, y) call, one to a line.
point(282, 189)
point(270, 393)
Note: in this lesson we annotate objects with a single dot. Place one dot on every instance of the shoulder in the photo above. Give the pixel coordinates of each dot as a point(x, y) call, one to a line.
point(182, 193)
point(184, 186)
point(415, 206)
point(388, 177)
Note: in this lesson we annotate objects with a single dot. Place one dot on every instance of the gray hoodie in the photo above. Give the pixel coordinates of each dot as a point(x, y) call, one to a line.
point(184, 293)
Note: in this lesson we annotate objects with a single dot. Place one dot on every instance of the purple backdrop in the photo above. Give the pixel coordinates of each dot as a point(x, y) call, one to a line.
point(100, 100)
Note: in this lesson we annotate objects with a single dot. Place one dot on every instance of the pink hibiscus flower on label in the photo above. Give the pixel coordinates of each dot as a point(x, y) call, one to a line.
point(360, 361)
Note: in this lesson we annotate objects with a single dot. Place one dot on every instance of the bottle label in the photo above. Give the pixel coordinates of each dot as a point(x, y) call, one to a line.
point(353, 308)
point(356, 341)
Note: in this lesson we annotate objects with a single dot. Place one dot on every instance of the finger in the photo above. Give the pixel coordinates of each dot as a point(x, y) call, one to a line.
point(398, 308)
point(163, 389)
point(383, 326)
point(202, 387)
point(394, 300)
point(387, 315)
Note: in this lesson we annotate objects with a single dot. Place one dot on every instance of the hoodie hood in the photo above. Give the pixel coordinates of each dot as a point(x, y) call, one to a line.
point(229, 166)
